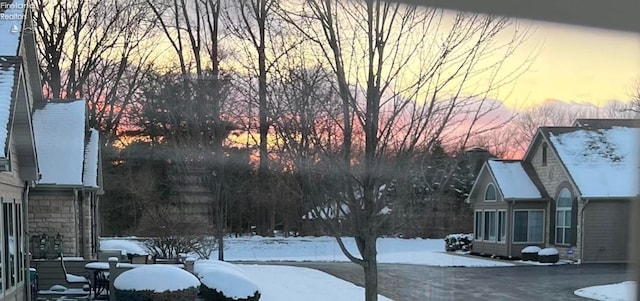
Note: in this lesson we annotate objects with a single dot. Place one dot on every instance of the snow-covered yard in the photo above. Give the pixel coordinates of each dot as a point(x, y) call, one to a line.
point(294, 283)
point(390, 250)
point(624, 291)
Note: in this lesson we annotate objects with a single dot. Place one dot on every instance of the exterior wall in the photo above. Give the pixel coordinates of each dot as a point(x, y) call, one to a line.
point(606, 231)
point(516, 247)
point(489, 247)
point(554, 177)
point(11, 190)
point(52, 213)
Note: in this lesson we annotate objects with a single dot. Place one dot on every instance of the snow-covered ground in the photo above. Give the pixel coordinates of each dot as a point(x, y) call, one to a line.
point(390, 250)
point(292, 283)
point(624, 291)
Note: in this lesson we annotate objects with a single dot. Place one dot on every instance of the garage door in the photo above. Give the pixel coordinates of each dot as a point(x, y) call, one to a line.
point(606, 231)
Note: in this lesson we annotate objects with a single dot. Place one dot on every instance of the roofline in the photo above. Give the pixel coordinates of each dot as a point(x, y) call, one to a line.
point(51, 186)
point(475, 182)
point(528, 154)
point(604, 198)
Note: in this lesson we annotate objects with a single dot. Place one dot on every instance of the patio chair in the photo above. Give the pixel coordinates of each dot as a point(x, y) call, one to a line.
point(75, 279)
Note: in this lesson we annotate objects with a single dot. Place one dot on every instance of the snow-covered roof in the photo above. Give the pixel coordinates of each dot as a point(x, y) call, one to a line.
point(59, 130)
point(11, 26)
point(90, 172)
point(7, 82)
point(513, 181)
point(602, 162)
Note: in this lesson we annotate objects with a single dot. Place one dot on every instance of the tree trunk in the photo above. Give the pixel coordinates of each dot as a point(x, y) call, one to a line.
point(370, 266)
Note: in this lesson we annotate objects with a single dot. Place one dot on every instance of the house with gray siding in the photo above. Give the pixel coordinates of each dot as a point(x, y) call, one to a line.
point(19, 89)
point(571, 191)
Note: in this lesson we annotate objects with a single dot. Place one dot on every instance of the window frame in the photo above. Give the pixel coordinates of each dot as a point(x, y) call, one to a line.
point(495, 193)
point(513, 226)
point(545, 151)
point(501, 219)
point(477, 234)
point(565, 211)
point(486, 234)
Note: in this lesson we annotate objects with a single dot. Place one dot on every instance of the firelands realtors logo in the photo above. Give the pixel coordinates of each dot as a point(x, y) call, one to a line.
point(14, 13)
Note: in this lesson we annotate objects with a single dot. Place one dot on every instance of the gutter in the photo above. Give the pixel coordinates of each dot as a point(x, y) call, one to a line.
point(510, 235)
point(26, 239)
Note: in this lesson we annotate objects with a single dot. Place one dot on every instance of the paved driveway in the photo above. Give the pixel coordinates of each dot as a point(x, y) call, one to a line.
point(413, 282)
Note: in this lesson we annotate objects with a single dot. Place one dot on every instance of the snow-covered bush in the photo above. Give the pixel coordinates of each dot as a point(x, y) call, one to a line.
point(156, 282)
point(530, 253)
point(548, 255)
point(226, 283)
point(454, 242)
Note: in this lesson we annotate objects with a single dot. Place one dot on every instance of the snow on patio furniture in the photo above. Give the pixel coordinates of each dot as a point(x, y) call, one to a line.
point(548, 255)
point(156, 282)
point(530, 253)
point(223, 281)
point(60, 292)
point(75, 279)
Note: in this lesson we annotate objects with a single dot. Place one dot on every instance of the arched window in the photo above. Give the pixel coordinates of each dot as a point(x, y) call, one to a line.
point(563, 217)
point(490, 194)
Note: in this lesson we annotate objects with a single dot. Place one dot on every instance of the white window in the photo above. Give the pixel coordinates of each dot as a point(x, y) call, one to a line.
point(502, 226)
point(563, 218)
point(478, 226)
point(528, 226)
point(490, 193)
point(489, 226)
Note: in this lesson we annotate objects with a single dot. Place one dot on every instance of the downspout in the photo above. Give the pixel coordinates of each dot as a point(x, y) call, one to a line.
point(509, 238)
point(79, 232)
point(26, 239)
point(586, 202)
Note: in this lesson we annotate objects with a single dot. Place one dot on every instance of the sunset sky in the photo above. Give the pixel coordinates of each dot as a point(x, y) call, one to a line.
point(577, 64)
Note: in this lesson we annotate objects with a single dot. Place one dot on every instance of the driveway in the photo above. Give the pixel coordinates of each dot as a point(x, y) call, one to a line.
point(402, 282)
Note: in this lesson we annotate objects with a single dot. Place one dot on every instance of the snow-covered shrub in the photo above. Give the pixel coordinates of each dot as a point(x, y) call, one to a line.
point(221, 283)
point(530, 253)
point(156, 282)
point(454, 242)
point(548, 255)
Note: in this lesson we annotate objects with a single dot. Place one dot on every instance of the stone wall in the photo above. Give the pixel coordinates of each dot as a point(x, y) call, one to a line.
point(55, 213)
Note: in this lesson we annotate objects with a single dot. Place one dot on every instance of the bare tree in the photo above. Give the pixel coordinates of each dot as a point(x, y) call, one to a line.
point(191, 28)
point(95, 50)
point(403, 79)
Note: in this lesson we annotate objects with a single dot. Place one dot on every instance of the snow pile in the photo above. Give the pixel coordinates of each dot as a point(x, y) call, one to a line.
point(231, 282)
point(202, 265)
point(624, 291)
point(548, 252)
point(156, 277)
point(531, 249)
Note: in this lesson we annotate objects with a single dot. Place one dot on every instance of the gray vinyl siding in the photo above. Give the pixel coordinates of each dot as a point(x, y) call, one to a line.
point(606, 231)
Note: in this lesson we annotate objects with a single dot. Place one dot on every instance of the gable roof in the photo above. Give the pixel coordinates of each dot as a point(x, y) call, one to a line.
point(602, 162)
point(11, 26)
point(62, 147)
point(9, 74)
point(513, 180)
